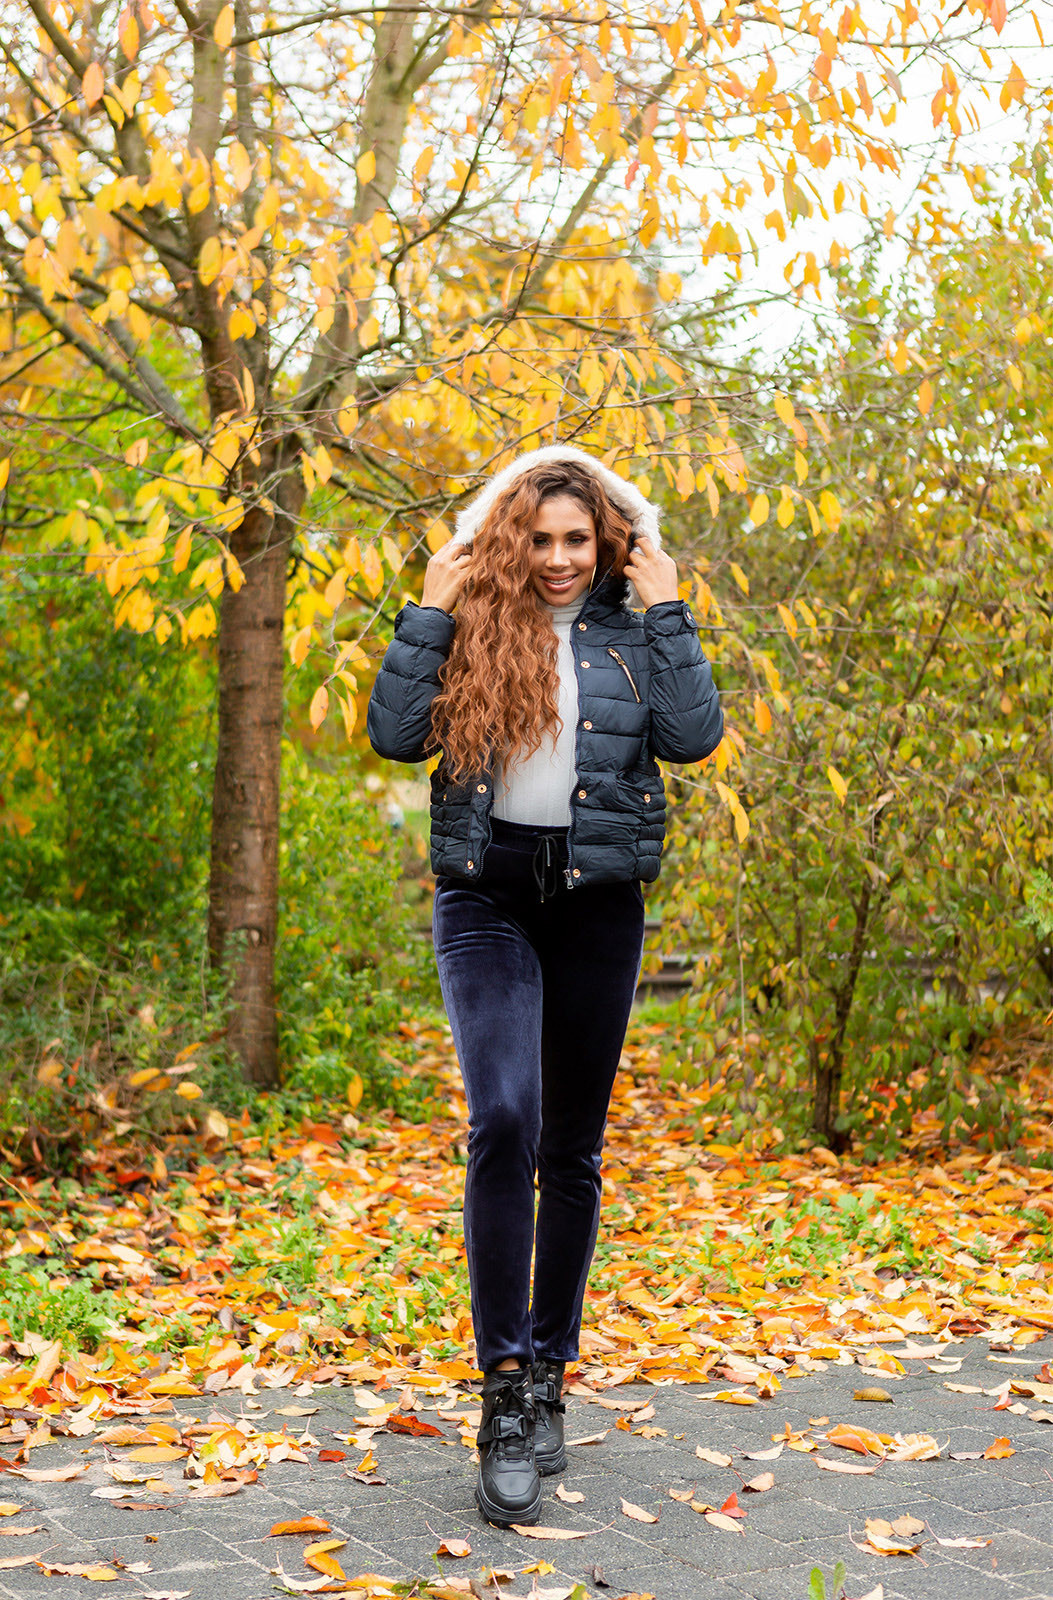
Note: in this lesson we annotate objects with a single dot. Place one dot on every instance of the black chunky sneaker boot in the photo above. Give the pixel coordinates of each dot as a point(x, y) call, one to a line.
point(549, 1449)
point(509, 1489)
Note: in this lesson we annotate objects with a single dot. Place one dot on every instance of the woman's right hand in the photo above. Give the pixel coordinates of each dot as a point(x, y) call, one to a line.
point(445, 574)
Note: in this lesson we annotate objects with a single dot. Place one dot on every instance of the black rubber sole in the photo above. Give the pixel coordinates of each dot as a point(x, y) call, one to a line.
point(548, 1465)
point(502, 1518)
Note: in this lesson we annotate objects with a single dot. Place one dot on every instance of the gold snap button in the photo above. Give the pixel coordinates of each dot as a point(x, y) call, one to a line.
point(584, 663)
point(471, 864)
point(582, 626)
point(581, 794)
point(646, 799)
point(586, 724)
point(576, 873)
point(480, 788)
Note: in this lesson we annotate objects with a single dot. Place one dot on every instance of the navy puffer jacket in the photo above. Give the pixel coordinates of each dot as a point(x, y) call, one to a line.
point(645, 691)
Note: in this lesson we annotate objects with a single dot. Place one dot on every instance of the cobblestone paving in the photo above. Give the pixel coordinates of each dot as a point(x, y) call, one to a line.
point(220, 1548)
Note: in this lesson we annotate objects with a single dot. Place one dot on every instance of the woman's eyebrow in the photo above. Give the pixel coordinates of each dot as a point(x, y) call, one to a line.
point(543, 533)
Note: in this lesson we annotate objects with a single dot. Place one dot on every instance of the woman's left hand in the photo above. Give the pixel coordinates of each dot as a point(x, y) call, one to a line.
point(653, 573)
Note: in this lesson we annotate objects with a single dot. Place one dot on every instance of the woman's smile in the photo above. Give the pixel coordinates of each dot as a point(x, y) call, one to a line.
point(563, 550)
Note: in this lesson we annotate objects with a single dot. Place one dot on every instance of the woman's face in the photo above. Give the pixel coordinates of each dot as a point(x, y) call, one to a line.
point(563, 550)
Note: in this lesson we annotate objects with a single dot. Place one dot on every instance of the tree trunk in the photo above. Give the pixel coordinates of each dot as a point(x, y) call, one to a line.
point(243, 886)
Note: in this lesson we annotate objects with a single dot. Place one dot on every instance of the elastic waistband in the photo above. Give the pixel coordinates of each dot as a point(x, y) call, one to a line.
point(523, 835)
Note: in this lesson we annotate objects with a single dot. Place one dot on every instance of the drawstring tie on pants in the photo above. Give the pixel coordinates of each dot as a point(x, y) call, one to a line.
point(546, 865)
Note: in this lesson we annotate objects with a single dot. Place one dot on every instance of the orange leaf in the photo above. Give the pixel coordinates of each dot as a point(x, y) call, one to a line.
point(304, 1525)
point(999, 1450)
point(397, 1423)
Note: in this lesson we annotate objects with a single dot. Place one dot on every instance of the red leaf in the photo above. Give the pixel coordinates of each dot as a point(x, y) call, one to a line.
point(400, 1424)
point(332, 1455)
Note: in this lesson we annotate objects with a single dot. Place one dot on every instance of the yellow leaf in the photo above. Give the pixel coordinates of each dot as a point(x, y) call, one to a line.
point(144, 1075)
point(1015, 376)
point(158, 1452)
point(355, 1087)
point(685, 480)
point(319, 706)
point(783, 408)
point(789, 621)
point(437, 535)
point(181, 551)
point(92, 84)
point(784, 512)
point(926, 395)
point(372, 571)
point(189, 1091)
point(348, 711)
point(301, 643)
point(830, 509)
point(210, 260)
point(223, 32)
point(500, 368)
point(128, 33)
point(137, 452)
point(334, 589)
point(5, 470)
point(800, 466)
point(739, 577)
point(837, 783)
point(759, 510)
point(761, 714)
point(366, 167)
point(742, 828)
point(323, 1562)
point(322, 1547)
point(392, 554)
point(347, 419)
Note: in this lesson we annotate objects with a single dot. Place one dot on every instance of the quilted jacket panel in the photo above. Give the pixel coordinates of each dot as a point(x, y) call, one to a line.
point(645, 693)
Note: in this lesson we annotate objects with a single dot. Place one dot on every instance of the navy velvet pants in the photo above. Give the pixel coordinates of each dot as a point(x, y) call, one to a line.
point(538, 990)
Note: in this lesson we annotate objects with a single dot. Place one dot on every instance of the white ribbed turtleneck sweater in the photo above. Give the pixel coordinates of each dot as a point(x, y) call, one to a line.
point(537, 791)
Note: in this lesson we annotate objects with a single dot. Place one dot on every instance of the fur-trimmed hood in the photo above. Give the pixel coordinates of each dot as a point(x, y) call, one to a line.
point(641, 512)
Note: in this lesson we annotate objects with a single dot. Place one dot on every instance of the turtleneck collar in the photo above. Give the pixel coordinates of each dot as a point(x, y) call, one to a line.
point(563, 616)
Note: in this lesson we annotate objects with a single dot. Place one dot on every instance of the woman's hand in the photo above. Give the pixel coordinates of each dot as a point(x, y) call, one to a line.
point(445, 574)
point(653, 573)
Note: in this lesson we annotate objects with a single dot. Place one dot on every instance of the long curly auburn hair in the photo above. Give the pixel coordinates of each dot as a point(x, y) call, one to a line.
point(500, 683)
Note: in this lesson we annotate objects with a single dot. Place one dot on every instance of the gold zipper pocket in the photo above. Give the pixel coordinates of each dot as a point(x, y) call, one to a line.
point(628, 674)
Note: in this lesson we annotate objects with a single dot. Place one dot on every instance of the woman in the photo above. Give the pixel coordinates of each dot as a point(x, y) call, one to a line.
point(549, 698)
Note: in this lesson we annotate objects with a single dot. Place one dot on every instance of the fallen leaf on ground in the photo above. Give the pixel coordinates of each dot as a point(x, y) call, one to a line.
point(637, 1513)
point(858, 1439)
point(873, 1394)
point(18, 1528)
point(397, 1423)
point(913, 1447)
point(721, 1519)
point(454, 1547)
point(301, 1525)
point(50, 1474)
point(758, 1485)
point(571, 1497)
point(8, 1562)
point(536, 1531)
point(97, 1571)
point(882, 1538)
point(591, 1438)
point(8, 1508)
point(165, 1594)
point(323, 1562)
point(717, 1458)
point(332, 1455)
point(763, 1455)
point(829, 1465)
point(964, 1544)
point(158, 1452)
point(999, 1450)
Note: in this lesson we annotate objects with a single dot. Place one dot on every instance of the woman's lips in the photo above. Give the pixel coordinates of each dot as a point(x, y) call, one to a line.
point(559, 583)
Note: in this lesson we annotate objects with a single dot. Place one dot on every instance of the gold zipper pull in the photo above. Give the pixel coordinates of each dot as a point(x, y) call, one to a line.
point(628, 674)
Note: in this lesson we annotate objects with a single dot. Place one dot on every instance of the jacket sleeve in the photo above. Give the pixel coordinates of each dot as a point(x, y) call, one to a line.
point(398, 719)
point(686, 720)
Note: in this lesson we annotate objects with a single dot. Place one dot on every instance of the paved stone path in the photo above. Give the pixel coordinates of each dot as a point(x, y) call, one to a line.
point(807, 1519)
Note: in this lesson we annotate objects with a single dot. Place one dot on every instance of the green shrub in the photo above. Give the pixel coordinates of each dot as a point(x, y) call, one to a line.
point(348, 955)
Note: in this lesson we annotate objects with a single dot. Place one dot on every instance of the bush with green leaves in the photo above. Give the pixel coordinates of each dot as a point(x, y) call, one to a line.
point(349, 958)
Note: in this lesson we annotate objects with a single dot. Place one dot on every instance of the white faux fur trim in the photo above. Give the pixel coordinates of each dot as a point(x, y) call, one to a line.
point(640, 511)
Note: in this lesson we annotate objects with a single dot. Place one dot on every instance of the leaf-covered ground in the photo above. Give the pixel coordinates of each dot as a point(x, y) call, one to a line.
point(335, 1252)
